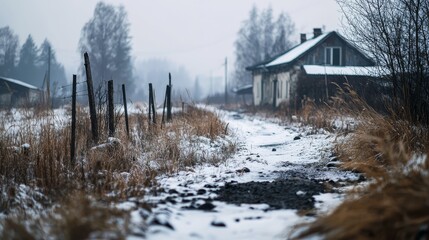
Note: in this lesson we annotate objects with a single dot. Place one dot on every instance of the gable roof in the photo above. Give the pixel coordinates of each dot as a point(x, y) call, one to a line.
point(17, 82)
point(299, 50)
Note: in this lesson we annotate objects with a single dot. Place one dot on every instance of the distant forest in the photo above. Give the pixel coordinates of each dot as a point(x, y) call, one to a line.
point(29, 63)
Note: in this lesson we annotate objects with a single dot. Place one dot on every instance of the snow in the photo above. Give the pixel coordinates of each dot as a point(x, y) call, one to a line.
point(240, 223)
point(19, 82)
point(326, 202)
point(339, 70)
point(264, 148)
point(296, 51)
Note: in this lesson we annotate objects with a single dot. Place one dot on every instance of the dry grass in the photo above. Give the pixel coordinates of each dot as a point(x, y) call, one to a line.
point(182, 143)
point(390, 152)
point(379, 142)
point(320, 117)
point(35, 151)
point(79, 217)
point(395, 207)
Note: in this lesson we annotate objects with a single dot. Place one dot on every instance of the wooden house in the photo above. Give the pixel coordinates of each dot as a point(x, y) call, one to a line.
point(17, 93)
point(309, 69)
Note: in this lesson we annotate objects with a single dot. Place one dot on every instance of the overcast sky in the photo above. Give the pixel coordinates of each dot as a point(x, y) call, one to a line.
point(197, 34)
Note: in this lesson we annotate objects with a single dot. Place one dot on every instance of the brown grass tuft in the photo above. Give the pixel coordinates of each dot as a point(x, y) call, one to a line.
point(390, 152)
point(395, 208)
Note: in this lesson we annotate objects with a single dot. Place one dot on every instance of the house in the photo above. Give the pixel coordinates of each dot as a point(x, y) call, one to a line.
point(310, 68)
point(17, 93)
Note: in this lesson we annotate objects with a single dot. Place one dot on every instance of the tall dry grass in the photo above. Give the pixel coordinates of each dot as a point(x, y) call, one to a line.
point(35, 151)
point(392, 154)
point(183, 142)
point(78, 217)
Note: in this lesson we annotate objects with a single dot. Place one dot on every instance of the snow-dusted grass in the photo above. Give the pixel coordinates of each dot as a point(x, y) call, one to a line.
point(392, 154)
point(35, 153)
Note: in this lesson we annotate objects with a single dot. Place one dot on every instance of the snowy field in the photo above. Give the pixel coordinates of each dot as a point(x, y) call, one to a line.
point(281, 176)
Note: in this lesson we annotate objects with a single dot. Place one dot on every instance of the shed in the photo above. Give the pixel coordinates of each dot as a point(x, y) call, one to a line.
point(14, 92)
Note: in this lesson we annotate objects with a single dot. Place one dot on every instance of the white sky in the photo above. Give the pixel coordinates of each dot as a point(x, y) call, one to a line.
point(197, 34)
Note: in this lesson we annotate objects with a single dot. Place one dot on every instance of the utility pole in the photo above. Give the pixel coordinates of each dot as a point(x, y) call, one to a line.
point(48, 80)
point(226, 81)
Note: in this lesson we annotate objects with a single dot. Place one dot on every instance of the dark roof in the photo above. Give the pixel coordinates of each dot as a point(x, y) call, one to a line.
point(9, 85)
point(293, 54)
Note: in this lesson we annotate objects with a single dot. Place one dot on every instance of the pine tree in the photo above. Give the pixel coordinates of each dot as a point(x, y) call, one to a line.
point(27, 70)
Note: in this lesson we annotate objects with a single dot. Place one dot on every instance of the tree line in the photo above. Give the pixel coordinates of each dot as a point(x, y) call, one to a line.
point(261, 37)
point(30, 62)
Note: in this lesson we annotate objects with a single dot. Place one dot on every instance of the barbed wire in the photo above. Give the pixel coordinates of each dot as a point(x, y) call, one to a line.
point(68, 85)
point(77, 95)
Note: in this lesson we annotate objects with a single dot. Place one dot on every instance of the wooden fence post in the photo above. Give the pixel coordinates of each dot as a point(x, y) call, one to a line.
point(92, 111)
point(151, 105)
point(111, 109)
point(169, 98)
point(73, 124)
point(124, 95)
point(165, 102)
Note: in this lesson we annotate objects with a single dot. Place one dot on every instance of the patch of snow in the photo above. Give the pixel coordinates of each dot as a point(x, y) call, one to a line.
point(341, 70)
point(126, 206)
point(327, 202)
point(300, 193)
point(417, 163)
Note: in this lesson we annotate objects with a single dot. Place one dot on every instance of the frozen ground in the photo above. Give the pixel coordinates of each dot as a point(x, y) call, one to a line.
point(281, 176)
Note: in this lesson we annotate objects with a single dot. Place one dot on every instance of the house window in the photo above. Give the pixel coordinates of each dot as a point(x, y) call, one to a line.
point(333, 56)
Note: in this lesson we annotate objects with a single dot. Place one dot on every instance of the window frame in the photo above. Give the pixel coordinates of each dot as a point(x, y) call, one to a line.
point(331, 56)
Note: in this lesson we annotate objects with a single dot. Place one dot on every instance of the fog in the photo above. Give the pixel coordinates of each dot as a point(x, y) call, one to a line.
point(190, 38)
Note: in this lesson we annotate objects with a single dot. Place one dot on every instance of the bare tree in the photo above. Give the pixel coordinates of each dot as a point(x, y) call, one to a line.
point(8, 51)
point(396, 34)
point(106, 39)
point(259, 39)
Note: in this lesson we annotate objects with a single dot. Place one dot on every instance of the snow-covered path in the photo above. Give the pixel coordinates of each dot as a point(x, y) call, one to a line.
point(189, 208)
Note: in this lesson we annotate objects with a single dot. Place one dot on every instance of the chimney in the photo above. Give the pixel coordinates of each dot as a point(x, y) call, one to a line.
point(317, 32)
point(303, 37)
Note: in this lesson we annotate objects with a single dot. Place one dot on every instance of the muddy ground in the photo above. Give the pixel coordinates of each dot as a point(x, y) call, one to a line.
point(294, 188)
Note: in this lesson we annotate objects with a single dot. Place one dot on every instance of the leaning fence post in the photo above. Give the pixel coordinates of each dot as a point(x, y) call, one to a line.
point(111, 108)
point(92, 112)
point(73, 124)
point(165, 102)
point(126, 110)
point(169, 98)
